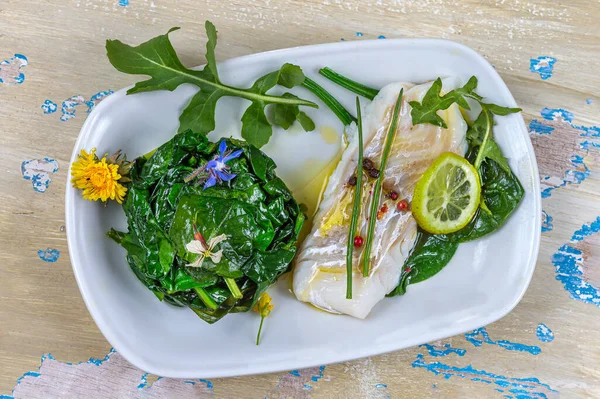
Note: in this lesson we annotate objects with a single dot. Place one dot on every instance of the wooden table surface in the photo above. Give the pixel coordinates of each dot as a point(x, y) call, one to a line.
point(53, 69)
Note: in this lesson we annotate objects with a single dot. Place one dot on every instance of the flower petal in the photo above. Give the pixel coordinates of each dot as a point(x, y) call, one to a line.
point(216, 240)
point(216, 256)
point(197, 262)
point(225, 176)
point(196, 247)
point(212, 180)
point(211, 164)
point(222, 147)
point(233, 155)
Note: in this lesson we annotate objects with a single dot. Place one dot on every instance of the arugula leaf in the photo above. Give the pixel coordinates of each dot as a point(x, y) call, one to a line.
point(157, 58)
point(307, 124)
point(426, 110)
point(285, 115)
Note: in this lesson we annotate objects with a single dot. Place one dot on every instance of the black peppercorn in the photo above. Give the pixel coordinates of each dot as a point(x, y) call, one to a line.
point(352, 181)
point(367, 164)
point(374, 173)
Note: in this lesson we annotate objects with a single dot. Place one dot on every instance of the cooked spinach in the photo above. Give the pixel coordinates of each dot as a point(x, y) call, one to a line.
point(166, 206)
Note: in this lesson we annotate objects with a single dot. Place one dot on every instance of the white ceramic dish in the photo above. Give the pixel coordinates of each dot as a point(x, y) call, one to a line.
point(485, 280)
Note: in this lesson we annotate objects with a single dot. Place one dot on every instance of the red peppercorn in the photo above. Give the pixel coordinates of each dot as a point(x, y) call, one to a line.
point(358, 241)
point(402, 206)
point(393, 195)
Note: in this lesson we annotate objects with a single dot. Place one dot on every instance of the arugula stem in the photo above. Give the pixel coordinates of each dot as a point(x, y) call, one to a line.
point(205, 298)
point(262, 319)
point(377, 189)
point(356, 205)
point(233, 287)
point(233, 91)
point(349, 84)
point(334, 105)
point(486, 136)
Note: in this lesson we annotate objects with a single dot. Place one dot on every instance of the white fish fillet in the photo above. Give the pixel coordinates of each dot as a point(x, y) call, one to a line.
point(320, 268)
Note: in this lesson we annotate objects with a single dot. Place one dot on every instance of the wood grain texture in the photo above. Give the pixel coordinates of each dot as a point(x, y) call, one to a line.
point(41, 310)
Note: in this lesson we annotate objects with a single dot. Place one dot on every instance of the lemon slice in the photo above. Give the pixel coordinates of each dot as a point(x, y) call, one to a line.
point(447, 195)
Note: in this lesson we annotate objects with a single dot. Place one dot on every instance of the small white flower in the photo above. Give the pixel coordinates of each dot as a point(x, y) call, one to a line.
point(205, 250)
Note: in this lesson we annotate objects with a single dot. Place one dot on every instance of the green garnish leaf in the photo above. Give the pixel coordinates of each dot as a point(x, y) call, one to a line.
point(426, 110)
point(157, 58)
point(285, 115)
point(499, 110)
point(305, 121)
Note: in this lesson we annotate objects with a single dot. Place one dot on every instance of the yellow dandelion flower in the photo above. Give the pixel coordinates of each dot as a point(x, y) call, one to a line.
point(98, 179)
point(263, 307)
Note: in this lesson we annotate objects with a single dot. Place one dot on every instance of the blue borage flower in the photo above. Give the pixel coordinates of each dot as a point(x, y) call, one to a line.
point(217, 168)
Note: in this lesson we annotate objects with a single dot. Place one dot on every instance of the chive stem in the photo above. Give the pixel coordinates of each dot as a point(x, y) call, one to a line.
point(346, 83)
point(262, 319)
point(334, 105)
point(233, 287)
point(377, 189)
point(205, 298)
point(356, 205)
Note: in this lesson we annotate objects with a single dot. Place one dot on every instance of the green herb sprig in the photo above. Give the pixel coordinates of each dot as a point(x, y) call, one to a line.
point(353, 86)
point(157, 59)
point(334, 105)
point(377, 188)
point(356, 204)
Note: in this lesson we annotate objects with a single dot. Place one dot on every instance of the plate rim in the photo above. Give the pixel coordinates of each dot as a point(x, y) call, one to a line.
point(365, 351)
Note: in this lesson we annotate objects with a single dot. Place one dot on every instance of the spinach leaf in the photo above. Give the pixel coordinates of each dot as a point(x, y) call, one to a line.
point(502, 193)
point(157, 58)
point(430, 255)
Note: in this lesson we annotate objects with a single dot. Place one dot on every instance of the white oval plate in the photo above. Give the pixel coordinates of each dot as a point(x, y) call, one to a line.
point(485, 280)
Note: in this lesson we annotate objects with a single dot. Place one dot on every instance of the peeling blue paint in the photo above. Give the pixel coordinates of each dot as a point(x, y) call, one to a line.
point(589, 134)
point(381, 37)
point(39, 171)
point(445, 350)
point(68, 106)
point(9, 75)
point(49, 255)
point(295, 373)
point(567, 262)
point(123, 3)
point(588, 101)
point(359, 34)
point(538, 127)
point(546, 222)
point(379, 386)
point(208, 384)
point(544, 65)
point(49, 107)
point(473, 338)
point(143, 382)
point(48, 356)
point(532, 386)
point(544, 333)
